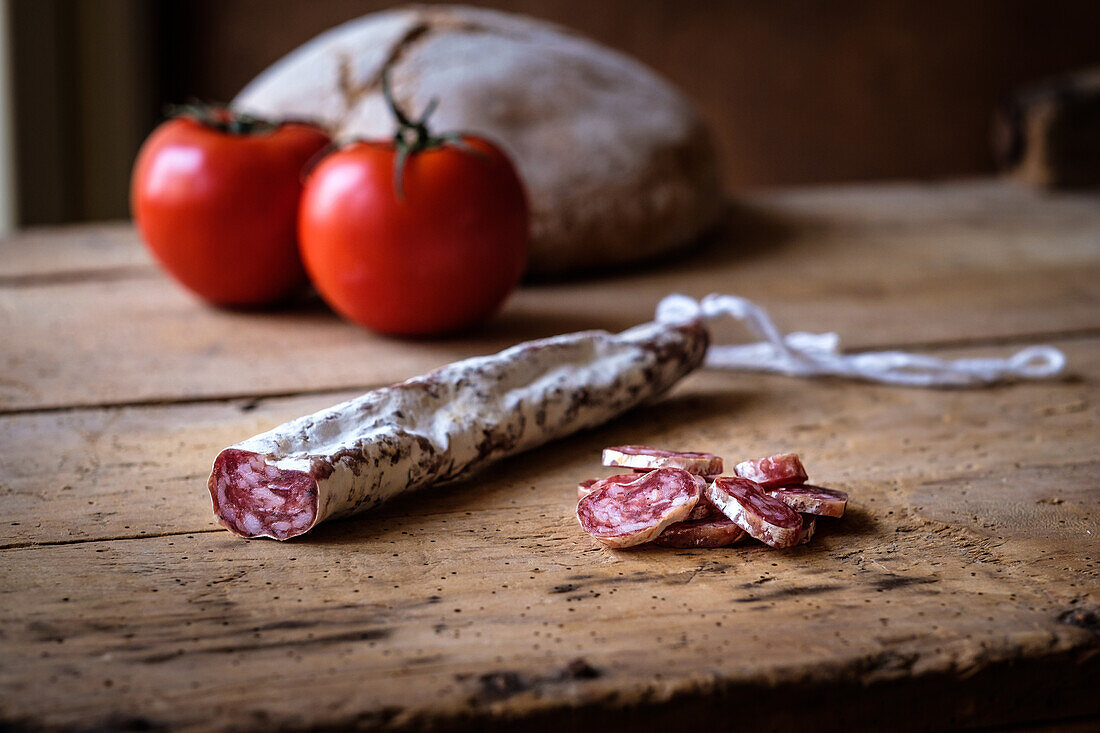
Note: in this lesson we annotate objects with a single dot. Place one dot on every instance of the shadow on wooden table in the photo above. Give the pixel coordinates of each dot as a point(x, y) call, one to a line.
point(857, 522)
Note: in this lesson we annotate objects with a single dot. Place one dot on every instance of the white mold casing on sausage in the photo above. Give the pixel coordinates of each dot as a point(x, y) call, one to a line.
point(443, 426)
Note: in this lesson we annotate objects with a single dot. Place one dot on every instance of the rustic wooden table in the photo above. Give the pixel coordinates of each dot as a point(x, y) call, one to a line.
point(960, 590)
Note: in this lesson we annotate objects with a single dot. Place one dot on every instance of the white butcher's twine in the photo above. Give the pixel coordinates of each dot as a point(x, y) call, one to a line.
point(814, 354)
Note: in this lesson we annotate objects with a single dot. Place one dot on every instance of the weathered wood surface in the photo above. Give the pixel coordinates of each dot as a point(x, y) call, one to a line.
point(878, 265)
point(63, 255)
point(960, 590)
point(83, 487)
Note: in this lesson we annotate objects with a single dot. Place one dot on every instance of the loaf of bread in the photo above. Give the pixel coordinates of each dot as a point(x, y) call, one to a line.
point(618, 165)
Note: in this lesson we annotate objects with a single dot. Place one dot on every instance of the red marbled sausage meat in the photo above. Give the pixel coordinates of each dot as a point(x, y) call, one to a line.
point(774, 471)
point(809, 526)
point(717, 531)
point(812, 499)
point(586, 487)
point(443, 426)
point(641, 457)
point(768, 520)
point(704, 509)
point(624, 515)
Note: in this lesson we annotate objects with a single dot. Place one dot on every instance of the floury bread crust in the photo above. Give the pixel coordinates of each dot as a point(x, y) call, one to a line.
point(617, 164)
point(443, 425)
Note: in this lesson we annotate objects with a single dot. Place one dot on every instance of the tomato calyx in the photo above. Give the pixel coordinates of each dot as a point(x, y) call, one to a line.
point(414, 136)
point(225, 120)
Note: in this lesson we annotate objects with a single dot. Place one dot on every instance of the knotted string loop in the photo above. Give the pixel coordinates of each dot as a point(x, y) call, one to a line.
point(801, 354)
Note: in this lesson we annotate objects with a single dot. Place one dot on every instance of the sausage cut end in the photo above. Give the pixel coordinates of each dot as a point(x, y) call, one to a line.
point(255, 499)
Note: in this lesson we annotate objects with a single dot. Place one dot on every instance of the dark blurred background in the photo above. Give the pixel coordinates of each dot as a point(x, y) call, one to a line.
point(798, 92)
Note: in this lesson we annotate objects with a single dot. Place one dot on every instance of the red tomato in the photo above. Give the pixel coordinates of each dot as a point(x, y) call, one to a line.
point(442, 255)
point(218, 206)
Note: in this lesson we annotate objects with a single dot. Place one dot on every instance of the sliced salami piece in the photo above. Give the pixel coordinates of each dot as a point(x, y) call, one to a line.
point(768, 520)
point(812, 499)
point(584, 488)
point(706, 479)
point(809, 525)
point(774, 471)
point(443, 426)
point(624, 515)
point(717, 531)
point(704, 509)
point(641, 457)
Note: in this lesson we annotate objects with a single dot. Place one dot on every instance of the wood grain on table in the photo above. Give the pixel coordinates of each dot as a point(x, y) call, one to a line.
point(960, 590)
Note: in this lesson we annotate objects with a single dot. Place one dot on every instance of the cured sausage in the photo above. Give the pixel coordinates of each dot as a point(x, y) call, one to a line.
point(586, 487)
point(641, 457)
point(812, 499)
point(774, 471)
point(768, 520)
point(717, 531)
point(702, 510)
point(443, 426)
point(809, 526)
point(624, 515)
